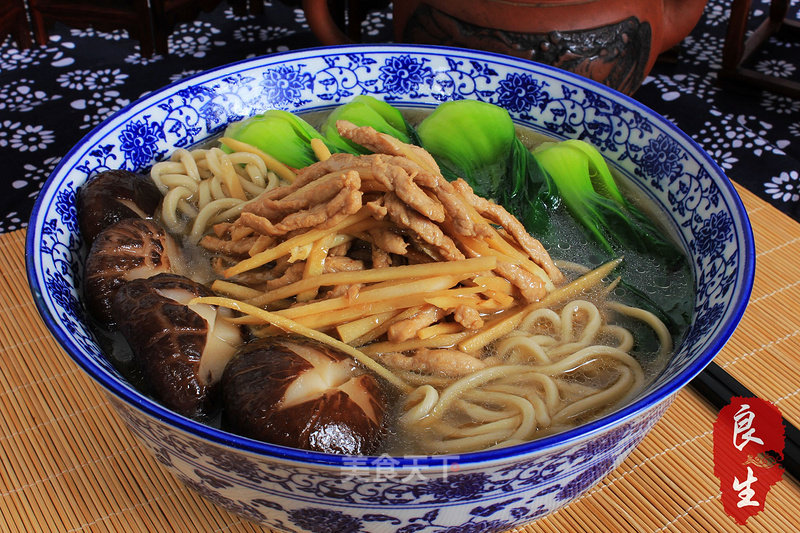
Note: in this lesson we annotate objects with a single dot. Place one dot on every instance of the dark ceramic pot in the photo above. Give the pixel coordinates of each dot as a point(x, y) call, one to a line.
point(614, 42)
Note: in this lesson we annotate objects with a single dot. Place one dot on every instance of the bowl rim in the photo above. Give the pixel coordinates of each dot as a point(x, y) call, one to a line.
point(129, 395)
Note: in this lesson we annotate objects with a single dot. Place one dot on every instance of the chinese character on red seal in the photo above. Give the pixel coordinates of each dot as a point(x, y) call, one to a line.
point(744, 429)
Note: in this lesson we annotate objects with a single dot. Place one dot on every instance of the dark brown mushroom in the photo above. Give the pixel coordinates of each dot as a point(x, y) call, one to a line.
point(182, 349)
point(130, 249)
point(300, 393)
point(114, 195)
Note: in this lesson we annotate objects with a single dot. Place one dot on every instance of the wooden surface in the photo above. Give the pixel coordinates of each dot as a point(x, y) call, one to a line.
point(68, 464)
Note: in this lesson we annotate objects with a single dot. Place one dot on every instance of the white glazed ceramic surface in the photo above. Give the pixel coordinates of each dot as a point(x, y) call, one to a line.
point(486, 491)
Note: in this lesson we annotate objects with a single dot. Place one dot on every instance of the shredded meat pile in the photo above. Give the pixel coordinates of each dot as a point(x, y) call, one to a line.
point(418, 217)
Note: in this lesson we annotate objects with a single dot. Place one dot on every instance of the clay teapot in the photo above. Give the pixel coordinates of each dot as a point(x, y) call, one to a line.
point(614, 42)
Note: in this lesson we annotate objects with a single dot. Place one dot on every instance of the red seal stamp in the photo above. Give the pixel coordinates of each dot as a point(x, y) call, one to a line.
point(744, 429)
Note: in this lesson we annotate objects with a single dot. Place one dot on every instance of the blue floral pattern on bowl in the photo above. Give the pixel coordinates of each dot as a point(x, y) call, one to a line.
point(371, 499)
point(489, 491)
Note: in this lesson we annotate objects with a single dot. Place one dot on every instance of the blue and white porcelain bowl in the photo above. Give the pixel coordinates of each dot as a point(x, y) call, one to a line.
point(295, 490)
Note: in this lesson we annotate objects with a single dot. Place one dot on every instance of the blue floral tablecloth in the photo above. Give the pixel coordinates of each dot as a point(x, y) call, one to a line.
point(51, 95)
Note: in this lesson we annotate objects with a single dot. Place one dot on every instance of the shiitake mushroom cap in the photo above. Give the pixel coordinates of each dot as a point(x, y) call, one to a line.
point(111, 196)
point(168, 340)
point(345, 418)
point(129, 249)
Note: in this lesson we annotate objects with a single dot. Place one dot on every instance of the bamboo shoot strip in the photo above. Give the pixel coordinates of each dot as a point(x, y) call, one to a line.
point(590, 279)
point(327, 319)
point(442, 328)
point(422, 286)
point(360, 327)
point(426, 270)
point(234, 290)
point(439, 341)
point(494, 283)
point(315, 265)
point(320, 150)
point(324, 319)
point(293, 327)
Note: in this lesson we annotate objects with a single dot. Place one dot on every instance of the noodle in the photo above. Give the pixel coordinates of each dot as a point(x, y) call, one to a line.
point(535, 383)
point(205, 187)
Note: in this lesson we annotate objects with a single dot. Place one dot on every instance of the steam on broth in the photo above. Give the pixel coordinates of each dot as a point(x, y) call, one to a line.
point(477, 334)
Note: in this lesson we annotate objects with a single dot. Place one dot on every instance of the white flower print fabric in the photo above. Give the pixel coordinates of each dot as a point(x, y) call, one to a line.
point(52, 95)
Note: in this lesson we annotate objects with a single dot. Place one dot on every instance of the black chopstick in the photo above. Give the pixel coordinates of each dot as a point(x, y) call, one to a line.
point(718, 387)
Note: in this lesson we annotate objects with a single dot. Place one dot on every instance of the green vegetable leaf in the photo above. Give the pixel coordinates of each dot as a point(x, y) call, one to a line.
point(471, 140)
point(599, 174)
point(477, 141)
point(580, 176)
point(365, 110)
point(280, 134)
point(530, 194)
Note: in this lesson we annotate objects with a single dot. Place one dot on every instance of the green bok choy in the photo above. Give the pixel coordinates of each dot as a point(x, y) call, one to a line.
point(579, 176)
point(281, 134)
point(477, 141)
point(365, 110)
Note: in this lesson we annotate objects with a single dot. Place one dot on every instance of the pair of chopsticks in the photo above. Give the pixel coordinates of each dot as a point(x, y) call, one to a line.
point(718, 387)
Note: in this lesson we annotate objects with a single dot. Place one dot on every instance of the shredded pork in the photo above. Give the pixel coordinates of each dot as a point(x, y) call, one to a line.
point(424, 228)
point(409, 214)
point(450, 363)
point(498, 214)
point(408, 328)
point(468, 316)
point(320, 215)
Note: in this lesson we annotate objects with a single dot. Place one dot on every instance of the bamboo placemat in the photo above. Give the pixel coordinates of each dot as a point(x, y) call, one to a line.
point(68, 464)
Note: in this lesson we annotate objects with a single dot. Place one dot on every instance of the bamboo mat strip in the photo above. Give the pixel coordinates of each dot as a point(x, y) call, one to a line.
point(68, 463)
